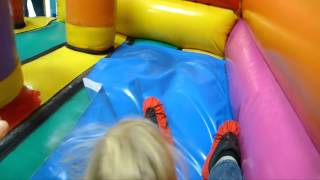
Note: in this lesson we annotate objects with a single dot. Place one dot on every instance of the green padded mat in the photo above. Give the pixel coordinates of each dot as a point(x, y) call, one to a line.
point(34, 150)
point(32, 43)
point(138, 41)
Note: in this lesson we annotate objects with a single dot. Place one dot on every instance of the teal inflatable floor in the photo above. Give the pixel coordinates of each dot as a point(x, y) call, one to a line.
point(34, 43)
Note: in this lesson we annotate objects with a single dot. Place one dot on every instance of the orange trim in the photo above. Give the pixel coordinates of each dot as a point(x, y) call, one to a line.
point(153, 102)
point(93, 13)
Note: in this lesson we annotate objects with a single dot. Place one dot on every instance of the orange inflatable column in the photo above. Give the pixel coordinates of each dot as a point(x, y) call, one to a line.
point(90, 25)
point(17, 13)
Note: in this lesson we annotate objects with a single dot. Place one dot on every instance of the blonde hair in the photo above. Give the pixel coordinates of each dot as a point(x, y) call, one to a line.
point(132, 150)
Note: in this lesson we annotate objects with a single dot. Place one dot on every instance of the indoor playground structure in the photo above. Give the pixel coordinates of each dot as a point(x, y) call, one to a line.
point(208, 61)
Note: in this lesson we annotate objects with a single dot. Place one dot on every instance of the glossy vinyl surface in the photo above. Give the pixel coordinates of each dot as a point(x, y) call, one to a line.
point(274, 143)
point(192, 87)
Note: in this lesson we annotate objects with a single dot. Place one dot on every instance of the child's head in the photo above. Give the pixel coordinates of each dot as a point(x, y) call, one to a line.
point(133, 149)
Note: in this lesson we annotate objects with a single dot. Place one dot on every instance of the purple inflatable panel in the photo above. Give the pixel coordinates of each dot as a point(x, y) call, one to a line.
point(8, 58)
point(274, 143)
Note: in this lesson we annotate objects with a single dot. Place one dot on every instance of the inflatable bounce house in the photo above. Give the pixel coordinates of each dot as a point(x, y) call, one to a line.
point(208, 61)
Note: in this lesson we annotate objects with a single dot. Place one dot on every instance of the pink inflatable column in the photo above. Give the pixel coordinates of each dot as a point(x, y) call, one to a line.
point(274, 144)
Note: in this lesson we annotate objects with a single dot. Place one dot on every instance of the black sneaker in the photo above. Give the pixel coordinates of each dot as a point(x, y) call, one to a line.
point(225, 144)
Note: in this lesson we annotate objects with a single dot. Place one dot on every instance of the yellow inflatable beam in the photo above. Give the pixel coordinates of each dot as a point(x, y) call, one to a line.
point(181, 23)
point(34, 23)
point(52, 72)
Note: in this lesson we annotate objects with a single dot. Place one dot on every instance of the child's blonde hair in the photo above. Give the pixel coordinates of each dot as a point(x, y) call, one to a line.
point(132, 150)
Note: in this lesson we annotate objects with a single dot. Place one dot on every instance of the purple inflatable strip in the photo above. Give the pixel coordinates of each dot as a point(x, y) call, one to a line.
point(274, 144)
point(7, 46)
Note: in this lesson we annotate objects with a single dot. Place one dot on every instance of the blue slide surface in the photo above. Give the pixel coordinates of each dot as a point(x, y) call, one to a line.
point(192, 87)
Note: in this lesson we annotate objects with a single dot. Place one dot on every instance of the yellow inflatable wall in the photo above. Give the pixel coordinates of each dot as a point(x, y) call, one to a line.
point(181, 23)
point(184, 24)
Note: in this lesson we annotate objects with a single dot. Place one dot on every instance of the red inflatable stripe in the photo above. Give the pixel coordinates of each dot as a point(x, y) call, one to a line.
point(229, 4)
point(21, 107)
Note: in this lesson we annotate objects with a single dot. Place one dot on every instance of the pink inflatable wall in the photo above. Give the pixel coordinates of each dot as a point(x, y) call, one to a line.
point(274, 143)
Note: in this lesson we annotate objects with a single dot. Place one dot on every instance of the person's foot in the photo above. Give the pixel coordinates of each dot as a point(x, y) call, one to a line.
point(154, 111)
point(4, 128)
point(225, 144)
